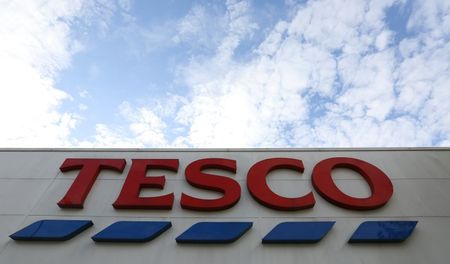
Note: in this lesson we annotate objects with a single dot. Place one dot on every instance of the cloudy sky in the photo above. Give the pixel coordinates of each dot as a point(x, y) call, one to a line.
point(224, 73)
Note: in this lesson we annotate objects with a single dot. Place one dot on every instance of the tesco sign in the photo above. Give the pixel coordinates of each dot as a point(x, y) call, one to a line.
point(137, 179)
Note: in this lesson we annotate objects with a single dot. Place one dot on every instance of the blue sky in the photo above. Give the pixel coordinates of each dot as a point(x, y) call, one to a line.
point(225, 73)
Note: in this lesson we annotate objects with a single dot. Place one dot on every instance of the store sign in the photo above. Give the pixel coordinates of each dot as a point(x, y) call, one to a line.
point(137, 179)
point(140, 177)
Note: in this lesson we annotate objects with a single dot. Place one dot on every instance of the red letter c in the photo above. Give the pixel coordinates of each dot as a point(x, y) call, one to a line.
point(258, 188)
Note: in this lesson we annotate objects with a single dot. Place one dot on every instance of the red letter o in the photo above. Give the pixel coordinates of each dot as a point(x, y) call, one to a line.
point(379, 183)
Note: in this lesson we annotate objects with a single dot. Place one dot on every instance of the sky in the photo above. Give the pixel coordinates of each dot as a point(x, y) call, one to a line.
point(224, 74)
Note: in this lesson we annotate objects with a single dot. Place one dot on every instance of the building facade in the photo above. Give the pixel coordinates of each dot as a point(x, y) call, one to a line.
point(37, 185)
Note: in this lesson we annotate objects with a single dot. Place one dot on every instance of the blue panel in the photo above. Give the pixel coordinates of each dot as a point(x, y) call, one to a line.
point(132, 231)
point(383, 231)
point(214, 232)
point(297, 232)
point(52, 230)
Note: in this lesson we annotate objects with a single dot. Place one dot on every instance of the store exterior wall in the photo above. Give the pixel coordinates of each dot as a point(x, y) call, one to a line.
point(31, 184)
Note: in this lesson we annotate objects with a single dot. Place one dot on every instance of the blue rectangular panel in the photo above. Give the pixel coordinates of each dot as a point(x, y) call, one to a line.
point(298, 232)
point(132, 231)
point(52, 230)
point(214, 232)
point(383, 231)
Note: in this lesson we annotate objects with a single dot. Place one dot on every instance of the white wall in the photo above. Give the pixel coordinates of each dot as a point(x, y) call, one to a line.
point(31, 185)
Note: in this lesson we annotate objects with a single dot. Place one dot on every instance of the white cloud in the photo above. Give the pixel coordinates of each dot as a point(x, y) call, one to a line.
point(369, 81)
point(144, 129)
point(36, 44)
point(266, 101)
point(194, 24)
point(145, 125)
point(200, 28)
point(110, 138)
point(331, 76)
point(431, 17)
point(83, 93)
point(125, 4)
point(424, 73)
point(82, 107)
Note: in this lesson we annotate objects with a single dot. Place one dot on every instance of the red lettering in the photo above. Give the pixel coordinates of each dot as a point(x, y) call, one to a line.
point(257, 185)
point(229, 187)
point(137, 179)
point(89, 170)
point(379, 183)
point(129, 197)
